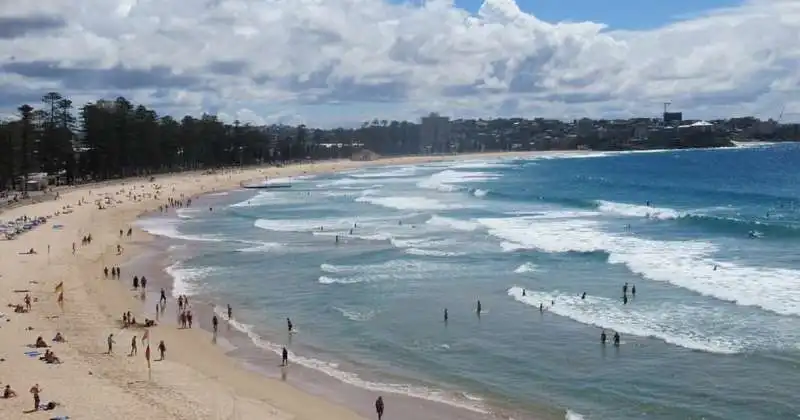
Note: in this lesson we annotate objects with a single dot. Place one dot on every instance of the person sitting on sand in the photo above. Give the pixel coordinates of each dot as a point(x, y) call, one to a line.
point(50, 358)
point(40, 343)
point(8, 392)
point(59, 338)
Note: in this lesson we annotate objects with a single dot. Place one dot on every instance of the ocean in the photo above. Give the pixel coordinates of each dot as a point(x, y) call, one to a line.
point(706, 236)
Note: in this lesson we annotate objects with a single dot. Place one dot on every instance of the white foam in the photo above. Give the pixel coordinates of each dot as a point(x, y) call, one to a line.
point(685, 326)
point(526, 268)
point(686, 264)
point(571, 415)
point(219, 194)
point(186, 213)
point(408, 203)
point(354, 315)
point(332, 370)
point(390, 270)
point(396, 172)
point(451, 223)
point(480, 193)
point(633, 210)
point(168, 228)
point(266, 198)
point(261, 247)
point(312, 225)
point(448, 180)
point(431, 252)
point(479, 164)
point(186, 279)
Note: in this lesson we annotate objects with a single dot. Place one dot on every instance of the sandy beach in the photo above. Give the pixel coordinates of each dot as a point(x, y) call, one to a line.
point(195, 381)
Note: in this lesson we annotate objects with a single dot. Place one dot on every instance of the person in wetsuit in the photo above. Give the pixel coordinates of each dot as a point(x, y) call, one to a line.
point(633, 291)
point(478, 310)
point(289, 324)
point(583, 296)
point(616, 339)
point(624, 299)
point(603, 337)
point(446, 317)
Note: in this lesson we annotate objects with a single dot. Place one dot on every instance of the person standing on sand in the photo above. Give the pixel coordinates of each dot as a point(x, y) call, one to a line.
point(144, 282)
point(230, 312)
point(163, 298)
point(215, 323)
point(285, 357)
point(35, 390)
point(162, 348)
point(379, 407)
point(110, 343)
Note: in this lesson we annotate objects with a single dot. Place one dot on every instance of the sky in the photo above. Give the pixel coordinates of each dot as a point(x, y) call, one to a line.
point(327, 63)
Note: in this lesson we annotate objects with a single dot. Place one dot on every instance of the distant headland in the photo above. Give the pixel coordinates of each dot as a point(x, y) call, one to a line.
point(110, 139)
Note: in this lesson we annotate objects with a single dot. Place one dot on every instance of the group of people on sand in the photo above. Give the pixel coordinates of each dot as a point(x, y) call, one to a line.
point(185, 316)
point(115, 273)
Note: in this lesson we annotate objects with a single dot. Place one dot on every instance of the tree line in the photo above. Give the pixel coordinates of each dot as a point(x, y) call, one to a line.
point(116, 138)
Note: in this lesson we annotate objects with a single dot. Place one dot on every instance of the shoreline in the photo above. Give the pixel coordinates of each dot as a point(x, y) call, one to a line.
point(196, 380)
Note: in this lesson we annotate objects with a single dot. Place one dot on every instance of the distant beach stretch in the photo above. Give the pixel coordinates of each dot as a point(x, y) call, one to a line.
point(76, 340)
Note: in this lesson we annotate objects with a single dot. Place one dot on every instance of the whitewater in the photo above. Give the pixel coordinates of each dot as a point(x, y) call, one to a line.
point(365, 263)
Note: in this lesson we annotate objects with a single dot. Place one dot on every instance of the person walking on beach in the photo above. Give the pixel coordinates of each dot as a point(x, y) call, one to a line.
point(180, 303)
point(133, 346)
point(110, 343)
point(162, 349)
point(379, 407)
point(230, 312)
point(163, 299)
point(214, 324)
point(144, 282)
point(285, 357)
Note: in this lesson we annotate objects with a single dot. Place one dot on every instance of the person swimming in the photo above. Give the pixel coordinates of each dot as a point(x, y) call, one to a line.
point(523, 292)
point(624, 299)
point(625, 289)
point(541, 307)
point(603, 337)
point(289, 324)
point(583, 296)
point(616, 339)
point(478, 309)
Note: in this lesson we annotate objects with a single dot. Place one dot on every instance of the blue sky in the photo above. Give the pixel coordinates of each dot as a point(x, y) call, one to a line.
point(618, 14)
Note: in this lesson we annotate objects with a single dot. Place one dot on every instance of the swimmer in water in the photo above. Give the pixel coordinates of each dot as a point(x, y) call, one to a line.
point(624, 299)
point(541, 307)
point(523, 292)
point(603, 337)
point(633, 291)
point(583, 296)
point(715, 267)
point(446, 317)
point(616, 339)
point(478, 310)
point(289, 324)
point(625, 288)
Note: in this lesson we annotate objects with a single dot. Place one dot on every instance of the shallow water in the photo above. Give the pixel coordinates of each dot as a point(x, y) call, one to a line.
point(712, 332)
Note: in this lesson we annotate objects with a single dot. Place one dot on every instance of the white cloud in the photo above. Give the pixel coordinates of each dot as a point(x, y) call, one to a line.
point(260, 60)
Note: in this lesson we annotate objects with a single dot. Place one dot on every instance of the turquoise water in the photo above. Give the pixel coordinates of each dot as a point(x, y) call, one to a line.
point(697, 342)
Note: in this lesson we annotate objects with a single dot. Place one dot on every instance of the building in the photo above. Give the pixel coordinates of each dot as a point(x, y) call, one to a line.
point(435, 134)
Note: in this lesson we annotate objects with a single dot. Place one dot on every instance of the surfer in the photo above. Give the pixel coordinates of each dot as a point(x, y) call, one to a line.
point(616, 339)
point(715, 267)
point(478, 311)
point(603, 337)
point(583, 296)
point(446, 317)
point(289, 325)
